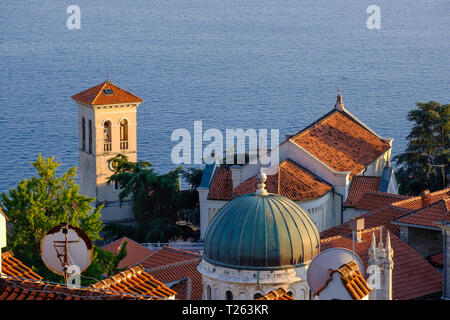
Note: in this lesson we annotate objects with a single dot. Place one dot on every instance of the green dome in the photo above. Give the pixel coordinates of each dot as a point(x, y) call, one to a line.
point(261, 232)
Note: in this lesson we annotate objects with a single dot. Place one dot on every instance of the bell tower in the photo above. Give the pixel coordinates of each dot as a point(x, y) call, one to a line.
point(107, 127)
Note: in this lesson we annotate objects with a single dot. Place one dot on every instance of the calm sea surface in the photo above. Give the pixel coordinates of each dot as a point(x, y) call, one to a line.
point(233, 64)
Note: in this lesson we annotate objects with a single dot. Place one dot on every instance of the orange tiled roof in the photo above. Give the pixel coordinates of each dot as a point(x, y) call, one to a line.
point(15, 268)
point(15, 289)
point(375, 200)
point(222, 185)
point(428, 216)
point(352, 280)
point(185, 276)
point(180, 266)
point(136, 281)
point(135, 251)
point(386, 215)
point(167, 255)
point(278, 294)
point(294, 182)
point(341, 142)
point(359, 185)
point(96, 96)
point(412, 276)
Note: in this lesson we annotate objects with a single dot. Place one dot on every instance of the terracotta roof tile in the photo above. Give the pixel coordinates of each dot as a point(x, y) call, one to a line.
point(278, 294)
point(359, 185)
point(17, 289)
point(97, 96)
point(135, 251)
point(341, 142)
point(294, 182)
point(15, 268)
point(426, 198)
point(412, 276)
point(222, 185)
point(167, 255)
point(188, 281)
point(375, 200)
point(137, 281)
point(352, 280)
point(428, 216)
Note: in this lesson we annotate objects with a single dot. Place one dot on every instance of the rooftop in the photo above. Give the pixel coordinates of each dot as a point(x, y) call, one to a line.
point(428, 216)
point(359, 185)
point(135, 251)
point(278, 294)
point(106, 93)
point(342, 142)
point(412, 277)
point(15, 268)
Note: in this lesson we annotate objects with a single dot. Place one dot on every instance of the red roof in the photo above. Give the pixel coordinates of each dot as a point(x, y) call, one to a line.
point(428, 216)
point(16, 289)
point(412, 277)
point(292, 181)
point(360, 185)
point(15, 268)
point(375, 200)
point(222, 185)
point(135, 251)
point(104, 94)
point(179, 266)
point(136, 281)
point(341, 142)
point(386, 215)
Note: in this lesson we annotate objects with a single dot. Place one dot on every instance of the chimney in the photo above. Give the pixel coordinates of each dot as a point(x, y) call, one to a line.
point(236, 175)
point(426, 198)
point(357, 226)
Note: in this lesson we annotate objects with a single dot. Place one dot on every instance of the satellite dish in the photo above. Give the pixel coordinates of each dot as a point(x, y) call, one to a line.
point(333, 258)
point(66, 250)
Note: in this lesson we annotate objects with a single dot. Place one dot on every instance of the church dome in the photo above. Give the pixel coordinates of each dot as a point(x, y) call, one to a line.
point(261, 232)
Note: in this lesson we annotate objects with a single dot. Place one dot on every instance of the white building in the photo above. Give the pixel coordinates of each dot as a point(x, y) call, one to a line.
point(317, 166)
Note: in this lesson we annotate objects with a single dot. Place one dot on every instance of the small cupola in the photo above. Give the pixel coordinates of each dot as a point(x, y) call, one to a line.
point(339, 104)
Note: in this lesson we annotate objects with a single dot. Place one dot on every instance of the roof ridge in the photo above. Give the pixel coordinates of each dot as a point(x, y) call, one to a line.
point(171, 265)
point(100, 91)
point(7, 254)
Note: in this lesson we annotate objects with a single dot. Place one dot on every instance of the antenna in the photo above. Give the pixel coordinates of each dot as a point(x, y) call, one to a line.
point(64, 246)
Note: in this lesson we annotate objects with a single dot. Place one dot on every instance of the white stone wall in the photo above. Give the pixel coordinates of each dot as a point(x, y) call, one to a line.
point(208, 209)
point(244, 284)
point(321, 211)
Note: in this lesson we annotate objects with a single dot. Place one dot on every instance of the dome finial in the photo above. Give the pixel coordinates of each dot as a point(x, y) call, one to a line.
point(262, 177)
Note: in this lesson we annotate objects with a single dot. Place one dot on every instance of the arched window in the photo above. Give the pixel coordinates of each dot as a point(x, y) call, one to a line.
point(208, 293)
point(90, 136)
point(229, 295)
point(83, 134)
point(124, 134)
point(107, 135)
point(257, 296)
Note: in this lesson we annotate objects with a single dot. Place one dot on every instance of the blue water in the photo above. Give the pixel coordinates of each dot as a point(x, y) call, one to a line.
point(232, 64)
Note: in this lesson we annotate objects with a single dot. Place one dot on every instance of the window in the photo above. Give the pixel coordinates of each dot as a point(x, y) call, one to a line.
point(124, 134)
point(208, 293)
point(83, 134)
point(107, 135)
point(90, 136)
point(229, 295)
point(108, 92)
point(257, 296)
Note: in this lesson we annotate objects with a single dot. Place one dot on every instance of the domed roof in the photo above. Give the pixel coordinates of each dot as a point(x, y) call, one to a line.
point(257, 231)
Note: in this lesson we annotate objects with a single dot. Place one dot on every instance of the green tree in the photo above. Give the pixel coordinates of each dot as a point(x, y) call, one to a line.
point(193, 176)
point(42, 202)
point(427, 152)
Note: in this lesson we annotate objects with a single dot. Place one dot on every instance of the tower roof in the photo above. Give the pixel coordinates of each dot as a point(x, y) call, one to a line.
point(261, 232)
point(106, 93)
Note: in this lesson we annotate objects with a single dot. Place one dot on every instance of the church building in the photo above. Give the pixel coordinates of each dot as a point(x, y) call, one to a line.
point(316, 169)
point(107, 127)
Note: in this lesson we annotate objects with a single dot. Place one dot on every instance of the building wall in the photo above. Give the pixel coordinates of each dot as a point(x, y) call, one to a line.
point(375, 169)
point(321, 211)
point(425, 241)
point(208, 209)
point(446, 267)
point(244, 284)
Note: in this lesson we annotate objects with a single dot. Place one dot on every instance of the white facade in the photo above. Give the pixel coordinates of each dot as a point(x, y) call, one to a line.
point(219, 282)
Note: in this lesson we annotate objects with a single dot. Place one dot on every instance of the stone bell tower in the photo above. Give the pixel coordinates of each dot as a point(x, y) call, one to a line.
point(107, 127)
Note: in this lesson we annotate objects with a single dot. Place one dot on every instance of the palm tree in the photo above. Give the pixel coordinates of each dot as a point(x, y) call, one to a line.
point(428, 149)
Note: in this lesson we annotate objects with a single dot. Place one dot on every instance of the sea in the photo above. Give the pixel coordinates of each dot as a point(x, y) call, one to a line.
point(231, 64)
